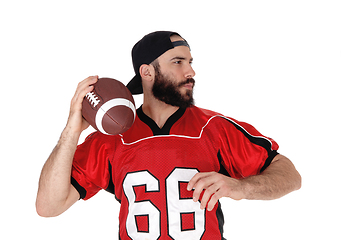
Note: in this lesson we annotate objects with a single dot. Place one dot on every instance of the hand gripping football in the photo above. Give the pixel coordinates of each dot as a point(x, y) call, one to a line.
point(110, 107)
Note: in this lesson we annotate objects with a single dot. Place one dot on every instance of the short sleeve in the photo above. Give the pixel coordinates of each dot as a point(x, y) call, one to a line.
point(244, 151)
point(90, 169)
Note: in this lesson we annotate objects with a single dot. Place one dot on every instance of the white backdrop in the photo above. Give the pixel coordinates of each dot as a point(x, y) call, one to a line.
point(273, 64)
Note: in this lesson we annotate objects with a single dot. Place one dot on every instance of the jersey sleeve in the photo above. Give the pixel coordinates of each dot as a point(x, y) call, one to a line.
point(243, 150)
point(91, 167)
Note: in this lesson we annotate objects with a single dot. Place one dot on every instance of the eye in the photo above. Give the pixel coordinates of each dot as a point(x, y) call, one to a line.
point(178, 62)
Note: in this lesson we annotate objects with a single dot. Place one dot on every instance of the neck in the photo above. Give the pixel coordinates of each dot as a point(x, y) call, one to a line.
point(158, 110)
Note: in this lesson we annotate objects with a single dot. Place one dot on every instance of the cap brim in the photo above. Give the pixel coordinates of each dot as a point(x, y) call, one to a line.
point(135, 85)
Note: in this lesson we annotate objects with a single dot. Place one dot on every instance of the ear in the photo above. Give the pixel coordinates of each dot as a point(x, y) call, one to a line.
point(147, 72)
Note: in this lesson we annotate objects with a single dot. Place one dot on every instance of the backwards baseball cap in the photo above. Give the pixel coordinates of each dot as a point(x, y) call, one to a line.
point(145, 51)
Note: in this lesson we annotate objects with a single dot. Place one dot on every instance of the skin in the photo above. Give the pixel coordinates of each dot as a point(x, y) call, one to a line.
point(56, 194)
point(176, 65)
point(279, 179)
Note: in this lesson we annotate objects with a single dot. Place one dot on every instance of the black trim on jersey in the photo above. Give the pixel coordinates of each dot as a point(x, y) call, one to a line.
point(118, 200)
point(79, 188)
point(221, 221)
point(260, 141)
point(154, 127)
point(271, 156)
point(222, 169)
point(111, 186)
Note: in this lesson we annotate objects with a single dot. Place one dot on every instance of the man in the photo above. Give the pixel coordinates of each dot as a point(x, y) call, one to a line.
point(172, 166)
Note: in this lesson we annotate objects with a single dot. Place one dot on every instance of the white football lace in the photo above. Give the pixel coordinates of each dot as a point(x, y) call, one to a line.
point(93, 99)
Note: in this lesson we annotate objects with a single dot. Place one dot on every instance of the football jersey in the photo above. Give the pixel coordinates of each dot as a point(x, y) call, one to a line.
point(148, 169)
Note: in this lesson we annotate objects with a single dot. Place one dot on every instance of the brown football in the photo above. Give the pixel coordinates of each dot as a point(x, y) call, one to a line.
point(109, 107)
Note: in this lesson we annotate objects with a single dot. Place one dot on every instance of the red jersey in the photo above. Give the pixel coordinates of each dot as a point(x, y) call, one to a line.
point(148, 169)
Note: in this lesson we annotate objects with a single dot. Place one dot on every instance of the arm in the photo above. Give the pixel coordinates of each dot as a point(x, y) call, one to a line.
point(279, 179)
point(55, 192)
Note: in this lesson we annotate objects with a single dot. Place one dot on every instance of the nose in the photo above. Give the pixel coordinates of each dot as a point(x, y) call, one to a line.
point(190, 73)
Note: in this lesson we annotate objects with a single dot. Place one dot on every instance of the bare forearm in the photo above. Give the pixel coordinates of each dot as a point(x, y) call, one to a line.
point(279, 179)
point(55, 193)
point(54, 183)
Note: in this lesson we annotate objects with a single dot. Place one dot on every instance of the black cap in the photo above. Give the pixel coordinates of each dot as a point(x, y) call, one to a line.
point(145, 51)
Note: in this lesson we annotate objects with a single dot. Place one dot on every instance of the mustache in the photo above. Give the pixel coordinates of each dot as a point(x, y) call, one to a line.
point(189, 80)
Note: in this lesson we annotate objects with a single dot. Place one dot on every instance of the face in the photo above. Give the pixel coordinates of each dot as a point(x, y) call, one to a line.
point(173, 81)
point(169, 91)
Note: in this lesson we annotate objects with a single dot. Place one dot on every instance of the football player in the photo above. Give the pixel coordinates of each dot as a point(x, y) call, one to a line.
point(169, 170)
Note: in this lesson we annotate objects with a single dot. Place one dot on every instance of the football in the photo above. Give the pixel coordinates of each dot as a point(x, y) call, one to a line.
point(109, 107)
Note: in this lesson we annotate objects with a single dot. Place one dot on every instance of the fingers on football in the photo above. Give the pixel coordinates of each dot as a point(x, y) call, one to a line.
point(83, 88)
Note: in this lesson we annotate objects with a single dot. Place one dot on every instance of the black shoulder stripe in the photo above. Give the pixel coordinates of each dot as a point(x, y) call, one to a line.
point(258, 140)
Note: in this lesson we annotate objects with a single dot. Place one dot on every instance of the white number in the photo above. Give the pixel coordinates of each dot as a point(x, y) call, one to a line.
point(141, 208)
point(175, 206)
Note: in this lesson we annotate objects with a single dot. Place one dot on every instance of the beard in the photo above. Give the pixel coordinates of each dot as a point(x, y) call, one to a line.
point(167, 91)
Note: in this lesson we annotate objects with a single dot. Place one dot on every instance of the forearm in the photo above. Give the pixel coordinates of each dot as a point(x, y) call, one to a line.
point(55, 193)
point(54, 183)
point(279, 179)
